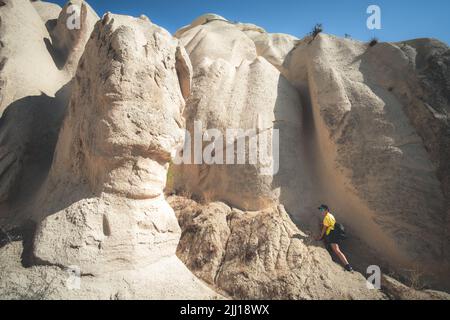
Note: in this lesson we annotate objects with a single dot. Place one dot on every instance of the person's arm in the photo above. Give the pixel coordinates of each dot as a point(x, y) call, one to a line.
point(322, 234)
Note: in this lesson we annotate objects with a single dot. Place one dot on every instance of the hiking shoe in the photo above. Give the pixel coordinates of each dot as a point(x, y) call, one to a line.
point(349, 268)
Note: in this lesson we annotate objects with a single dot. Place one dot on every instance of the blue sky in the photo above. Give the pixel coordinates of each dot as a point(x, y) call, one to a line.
point(400, 19)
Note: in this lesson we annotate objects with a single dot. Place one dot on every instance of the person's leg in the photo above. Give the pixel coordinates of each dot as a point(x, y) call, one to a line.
point(339, 253)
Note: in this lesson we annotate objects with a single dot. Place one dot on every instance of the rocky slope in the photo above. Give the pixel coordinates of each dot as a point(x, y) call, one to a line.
point(85, 154)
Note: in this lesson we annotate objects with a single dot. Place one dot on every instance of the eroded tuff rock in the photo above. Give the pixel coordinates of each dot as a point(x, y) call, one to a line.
point(233, 88)
point(364, 129)
point(274, 47)
point(24, 57)
point(40, 55)
point(263, 255)
point(162, 280)
point(33, 96)
point(49, 12)
point(429, 110)
point(102, 207)
point(398, 291)
point(367, 125)
point(114, 146)
point(71, 32)
point(361, 140)
point(260, 254)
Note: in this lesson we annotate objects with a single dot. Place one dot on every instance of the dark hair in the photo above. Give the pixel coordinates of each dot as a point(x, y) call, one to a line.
point(324, 207)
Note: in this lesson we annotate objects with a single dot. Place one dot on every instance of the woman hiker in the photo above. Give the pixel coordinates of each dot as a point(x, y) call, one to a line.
point(332, 237)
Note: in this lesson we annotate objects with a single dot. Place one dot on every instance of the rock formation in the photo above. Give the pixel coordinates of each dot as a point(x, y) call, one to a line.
point(113, 151)
point(274, 47)
point(49, 12)
point(235, 89)
point(31, 104)
point(101, 209)
point(34, 92)
point(86, 153)
point(104, 199)
point(260, 254)
point(357, 139)
point(367, 116)
point(70, 33)
point(24, 57)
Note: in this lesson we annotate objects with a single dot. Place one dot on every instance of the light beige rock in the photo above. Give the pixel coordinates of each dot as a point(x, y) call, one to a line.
point(34, 90)
point(103, 207)
point(216, 39)
point(159, 281)
point(33, 96)
point(47, 11)
point(204, 19)
point(371, 161)
point(263, 255)
point(362, 129)
point(115, 143)
point(398, 291)
point(24, 57)
point(357, 144)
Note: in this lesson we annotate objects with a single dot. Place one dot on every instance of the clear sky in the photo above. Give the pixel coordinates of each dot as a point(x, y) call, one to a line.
point(400, 19)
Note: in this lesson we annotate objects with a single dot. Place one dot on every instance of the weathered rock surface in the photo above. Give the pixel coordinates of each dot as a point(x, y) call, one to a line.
point(24, 57)
point(233, 88)
point(71, 32)
point(162, 280)
point(398, 291)
point(102, 207)
point(33, 104)
point(263, 255)
point(274, 47)
point(429, 110)
point(361, 139)
point(49, 12)
point(113, 151)
point(364, 129)
point(365, 105)
point(28, 132)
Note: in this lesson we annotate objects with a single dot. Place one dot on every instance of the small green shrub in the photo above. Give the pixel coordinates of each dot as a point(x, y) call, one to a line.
point(373, 42)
